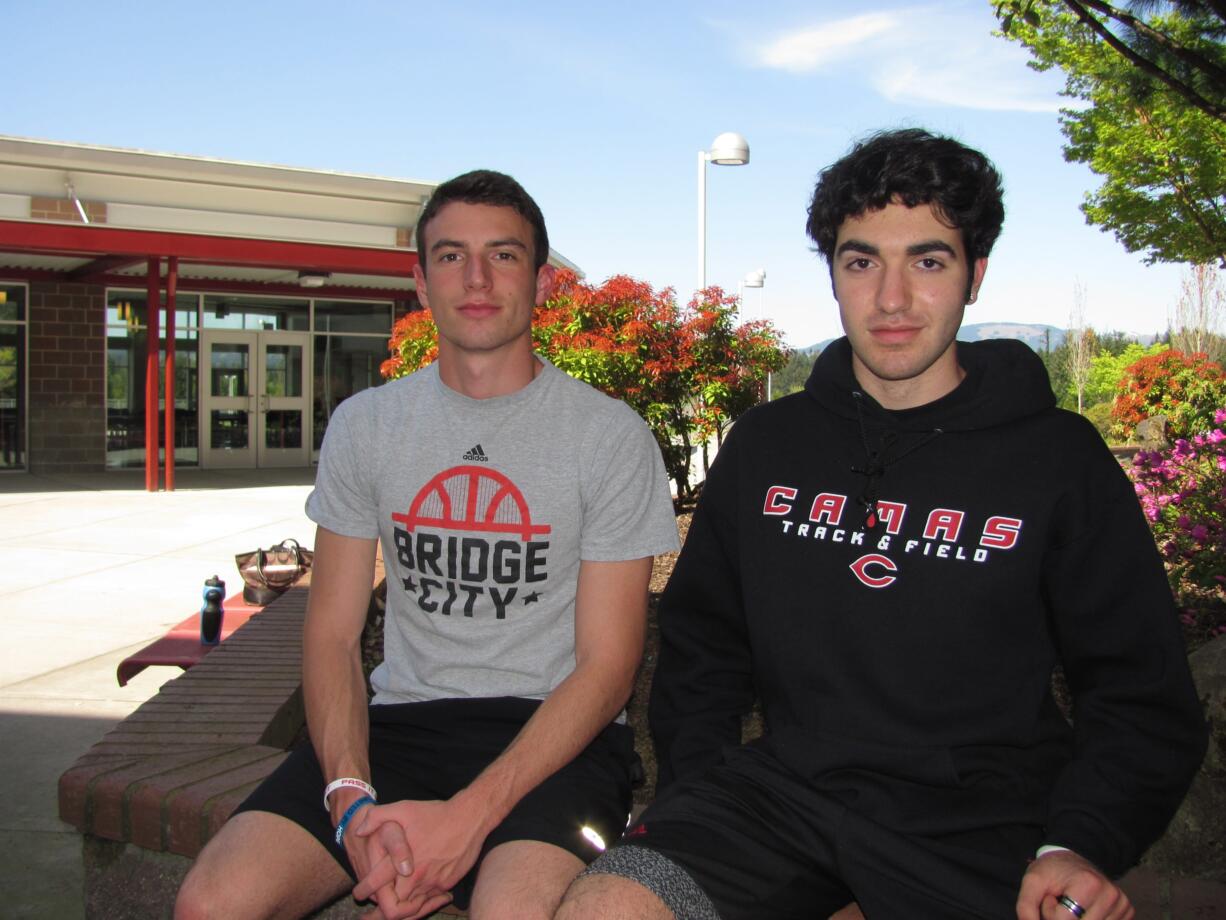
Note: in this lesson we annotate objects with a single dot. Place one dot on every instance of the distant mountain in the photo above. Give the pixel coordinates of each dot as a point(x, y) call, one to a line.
point(1038, 336)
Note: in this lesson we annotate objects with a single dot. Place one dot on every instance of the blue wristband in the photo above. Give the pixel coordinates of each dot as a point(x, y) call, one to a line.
point(349, 813)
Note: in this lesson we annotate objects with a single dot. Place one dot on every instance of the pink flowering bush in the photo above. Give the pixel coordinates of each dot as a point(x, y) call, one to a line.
point(1183, 494)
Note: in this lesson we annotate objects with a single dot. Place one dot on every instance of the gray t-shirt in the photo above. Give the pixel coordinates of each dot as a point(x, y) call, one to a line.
point(485, 508)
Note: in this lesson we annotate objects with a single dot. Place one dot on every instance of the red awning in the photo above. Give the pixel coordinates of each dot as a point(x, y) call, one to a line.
point(104, 251)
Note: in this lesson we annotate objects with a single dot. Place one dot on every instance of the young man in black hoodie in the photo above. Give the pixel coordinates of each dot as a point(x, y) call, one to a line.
point(893, 562)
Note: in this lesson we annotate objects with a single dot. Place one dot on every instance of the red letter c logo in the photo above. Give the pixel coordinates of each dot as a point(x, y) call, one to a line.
point(860, 569)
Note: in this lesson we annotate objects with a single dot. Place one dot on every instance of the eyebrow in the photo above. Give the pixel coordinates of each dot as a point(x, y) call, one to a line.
point(918, 249)
point(915, 249)
point(492, 244)
point(857, 246)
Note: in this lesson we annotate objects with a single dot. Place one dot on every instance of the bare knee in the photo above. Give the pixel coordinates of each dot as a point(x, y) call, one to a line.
point(522, 880)
point(259, 866)
point(510, 911)
point(200, 897)
point(610, 897)
point(215, 886)
point(850, 912)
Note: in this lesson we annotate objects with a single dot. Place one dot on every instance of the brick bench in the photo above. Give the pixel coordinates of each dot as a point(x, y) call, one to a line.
point(166, 778)
point(157, 787)
point(181, 646)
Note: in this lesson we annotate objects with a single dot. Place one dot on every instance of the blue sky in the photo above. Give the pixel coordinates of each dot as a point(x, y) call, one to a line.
point(600, 110)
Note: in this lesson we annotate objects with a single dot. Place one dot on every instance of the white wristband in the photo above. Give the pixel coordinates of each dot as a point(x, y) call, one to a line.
point(1050, 848)
point(348, 782)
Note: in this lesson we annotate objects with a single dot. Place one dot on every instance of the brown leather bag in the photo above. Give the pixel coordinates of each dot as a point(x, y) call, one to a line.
point(268, 573)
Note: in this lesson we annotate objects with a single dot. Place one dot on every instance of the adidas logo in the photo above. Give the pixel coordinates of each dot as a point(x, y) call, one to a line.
point(477, 454)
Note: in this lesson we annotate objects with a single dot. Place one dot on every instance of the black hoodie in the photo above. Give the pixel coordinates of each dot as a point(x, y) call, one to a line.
point(897, 588)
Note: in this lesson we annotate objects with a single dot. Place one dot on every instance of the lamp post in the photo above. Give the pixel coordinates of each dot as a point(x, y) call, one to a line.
point(756, 279)
point(728, 149)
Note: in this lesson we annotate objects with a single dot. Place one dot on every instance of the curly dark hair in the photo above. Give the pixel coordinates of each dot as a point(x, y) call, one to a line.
point(485, 186)
point(913, 167)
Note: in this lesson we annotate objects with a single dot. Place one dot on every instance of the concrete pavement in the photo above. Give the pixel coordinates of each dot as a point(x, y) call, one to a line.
point(92, 568)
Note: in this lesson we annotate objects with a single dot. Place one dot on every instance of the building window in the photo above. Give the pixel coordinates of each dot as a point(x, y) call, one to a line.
point(353, 316)
point(260, 314)
point(126, 333)
point(13, 366)
point(344, 365)
point(350, 343)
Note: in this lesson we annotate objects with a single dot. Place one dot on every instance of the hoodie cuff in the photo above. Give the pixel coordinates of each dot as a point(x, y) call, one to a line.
point(1080, 833)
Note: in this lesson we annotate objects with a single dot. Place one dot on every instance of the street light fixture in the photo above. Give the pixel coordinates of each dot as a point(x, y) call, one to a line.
point(758, 280)
point(728, 149)
point(755, 279)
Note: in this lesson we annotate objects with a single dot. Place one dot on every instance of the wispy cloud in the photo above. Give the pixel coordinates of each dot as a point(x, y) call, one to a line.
point(811, 49)
point(924, 56)
point(965, 85)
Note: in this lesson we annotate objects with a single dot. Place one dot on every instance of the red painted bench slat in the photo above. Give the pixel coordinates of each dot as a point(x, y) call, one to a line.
point(181, 646)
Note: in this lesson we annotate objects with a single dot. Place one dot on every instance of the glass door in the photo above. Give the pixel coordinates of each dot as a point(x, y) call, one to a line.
point(282, 402)
point(227, 405)
point(255, 401)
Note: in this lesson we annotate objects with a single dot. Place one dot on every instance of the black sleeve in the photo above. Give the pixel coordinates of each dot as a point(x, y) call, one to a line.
point(703, 682)
point(1140, 730)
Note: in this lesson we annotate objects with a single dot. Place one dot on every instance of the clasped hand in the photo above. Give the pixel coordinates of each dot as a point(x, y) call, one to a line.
point(413, 854)
point(1066, 873)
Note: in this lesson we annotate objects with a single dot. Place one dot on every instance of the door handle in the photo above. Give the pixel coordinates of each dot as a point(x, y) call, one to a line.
point(263, 402)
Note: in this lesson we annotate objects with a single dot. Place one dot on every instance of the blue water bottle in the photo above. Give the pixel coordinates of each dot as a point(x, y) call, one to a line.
point(212, 612)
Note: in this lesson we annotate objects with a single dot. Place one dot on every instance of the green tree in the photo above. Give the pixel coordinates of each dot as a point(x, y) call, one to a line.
point(689, 373)
point(794, 374)
point(1115, 341)
point(731, 361)
point(1200, 313)
point(1107, 370)
point(1080, 344)
point(8, 372)
point(1057, 363)
point(1139, 122)
point(1184, 61)
point(1099, 415)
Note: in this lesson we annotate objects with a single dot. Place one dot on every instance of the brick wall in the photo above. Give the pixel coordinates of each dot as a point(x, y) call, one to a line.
point(151, 793)
point(156, 788)
point(42, 208)
point(167, 776)
point(67, 354)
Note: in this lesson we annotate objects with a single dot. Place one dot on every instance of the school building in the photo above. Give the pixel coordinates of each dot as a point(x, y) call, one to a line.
point(278, 287)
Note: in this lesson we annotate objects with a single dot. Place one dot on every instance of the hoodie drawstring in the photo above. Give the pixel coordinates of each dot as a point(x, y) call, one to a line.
point(877, 461)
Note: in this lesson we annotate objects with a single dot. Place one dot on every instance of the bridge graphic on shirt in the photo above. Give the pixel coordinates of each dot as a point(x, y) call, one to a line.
point(474, 499)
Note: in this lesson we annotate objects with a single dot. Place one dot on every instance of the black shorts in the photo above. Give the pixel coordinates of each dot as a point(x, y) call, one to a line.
point(434, 749)
point(752, 839)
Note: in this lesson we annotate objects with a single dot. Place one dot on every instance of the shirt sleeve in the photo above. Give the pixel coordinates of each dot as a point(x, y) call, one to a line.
point(703, 682)
point(627, 507)
point(1140, 732)
point(344, 499)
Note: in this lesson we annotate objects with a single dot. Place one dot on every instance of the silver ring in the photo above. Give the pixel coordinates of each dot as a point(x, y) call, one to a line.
point(1070, 905)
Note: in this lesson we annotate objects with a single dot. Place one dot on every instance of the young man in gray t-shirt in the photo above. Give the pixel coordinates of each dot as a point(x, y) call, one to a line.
point(518, 511)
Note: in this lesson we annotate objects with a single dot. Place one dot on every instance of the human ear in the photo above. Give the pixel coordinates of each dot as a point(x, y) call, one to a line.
point(546, 278)
point(419, 277)
point(977, 273)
